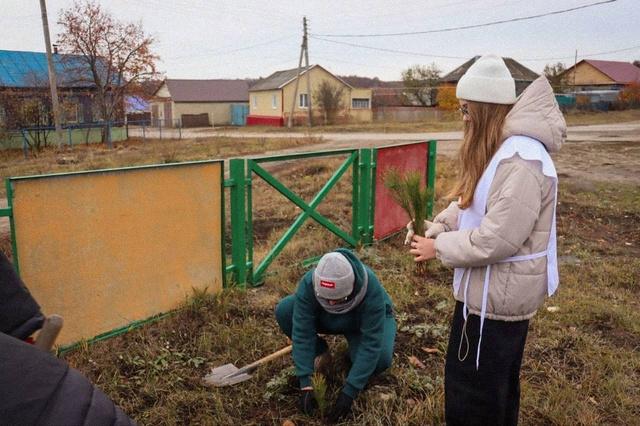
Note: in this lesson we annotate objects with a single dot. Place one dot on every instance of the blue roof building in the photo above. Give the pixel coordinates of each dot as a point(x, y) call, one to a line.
point(23, 70)
point(24, 78)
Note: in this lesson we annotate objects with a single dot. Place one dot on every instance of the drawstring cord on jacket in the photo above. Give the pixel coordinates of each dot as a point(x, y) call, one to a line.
point(465, 314)
point(485, 296)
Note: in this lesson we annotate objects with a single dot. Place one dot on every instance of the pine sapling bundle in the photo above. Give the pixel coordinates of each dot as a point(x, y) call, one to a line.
point(411, 193)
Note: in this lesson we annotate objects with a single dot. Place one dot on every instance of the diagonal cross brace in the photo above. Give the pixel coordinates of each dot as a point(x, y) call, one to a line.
point(308, 210)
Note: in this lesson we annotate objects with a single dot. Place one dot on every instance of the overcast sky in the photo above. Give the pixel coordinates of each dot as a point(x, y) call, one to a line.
point(250, 38)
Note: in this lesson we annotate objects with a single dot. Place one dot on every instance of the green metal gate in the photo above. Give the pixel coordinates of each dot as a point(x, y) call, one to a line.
point(242, 173)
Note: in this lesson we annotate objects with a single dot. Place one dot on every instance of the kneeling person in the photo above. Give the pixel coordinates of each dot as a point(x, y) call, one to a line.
point(340, 296)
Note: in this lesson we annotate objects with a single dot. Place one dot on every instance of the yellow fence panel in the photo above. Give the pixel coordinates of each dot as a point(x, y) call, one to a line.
point(107, 248)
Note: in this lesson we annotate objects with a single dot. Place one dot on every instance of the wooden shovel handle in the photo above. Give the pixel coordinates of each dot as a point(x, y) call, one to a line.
point(49, 332)
point(267, 358)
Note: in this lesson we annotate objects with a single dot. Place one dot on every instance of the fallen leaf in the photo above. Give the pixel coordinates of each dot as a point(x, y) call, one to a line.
point(431, 350)
point(385, 396)
point(416, 362)
point(288, 423)
point(553, 309)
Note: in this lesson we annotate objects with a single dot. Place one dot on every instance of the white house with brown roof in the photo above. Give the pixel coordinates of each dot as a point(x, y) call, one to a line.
point(198, 103)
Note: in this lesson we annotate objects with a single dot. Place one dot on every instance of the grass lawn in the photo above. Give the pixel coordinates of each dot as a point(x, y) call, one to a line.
point(134, 152)
point(582, 359)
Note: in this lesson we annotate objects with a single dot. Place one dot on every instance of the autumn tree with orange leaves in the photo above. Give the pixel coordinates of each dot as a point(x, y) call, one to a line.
point(116, 57)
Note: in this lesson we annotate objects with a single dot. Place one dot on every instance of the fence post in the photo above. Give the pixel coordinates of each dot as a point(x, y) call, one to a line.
point(248, 187)
point(25, 144)
point(109, 140)
point(366, 188)
point(126, 128)
point(160, 128)
point(355, 198)
point(238, 220)
point(372, 200)
point(69, 136)
point(431, 175)
point(144, 133)
point(179, 130)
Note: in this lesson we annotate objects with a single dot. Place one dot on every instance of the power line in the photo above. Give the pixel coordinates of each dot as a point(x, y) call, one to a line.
point(467, 27)
point(382, 49)
point(583, 56)
point(429, 55)
point(222, 51)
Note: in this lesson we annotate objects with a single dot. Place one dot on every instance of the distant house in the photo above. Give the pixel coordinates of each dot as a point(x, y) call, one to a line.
point(590, 75)
point(137, 103)
point(383, 93)
point(271, 98)
point(24, 82)
point(521, 74)
point(196, 103)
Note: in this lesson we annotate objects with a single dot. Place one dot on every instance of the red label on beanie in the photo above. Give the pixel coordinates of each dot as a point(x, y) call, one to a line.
point(327, 284)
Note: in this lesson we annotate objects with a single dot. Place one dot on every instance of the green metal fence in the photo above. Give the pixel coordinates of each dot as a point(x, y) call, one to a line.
point(243, 172)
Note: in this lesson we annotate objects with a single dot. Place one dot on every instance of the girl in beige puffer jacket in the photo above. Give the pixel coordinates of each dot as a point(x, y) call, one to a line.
point(500, 237)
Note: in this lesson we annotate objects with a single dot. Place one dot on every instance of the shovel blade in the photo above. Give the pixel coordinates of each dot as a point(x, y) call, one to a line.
point(225, 375)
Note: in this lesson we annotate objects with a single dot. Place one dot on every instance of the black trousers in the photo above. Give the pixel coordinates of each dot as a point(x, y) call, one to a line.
point(489, 395)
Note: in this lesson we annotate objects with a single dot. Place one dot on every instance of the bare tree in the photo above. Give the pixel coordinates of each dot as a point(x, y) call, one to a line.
point(115, 56)
point(421, 82)
point(555, 75)
point(29, 111)
point(328, 97)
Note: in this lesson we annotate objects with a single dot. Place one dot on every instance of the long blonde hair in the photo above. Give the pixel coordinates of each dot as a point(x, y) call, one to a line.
point(482, 138)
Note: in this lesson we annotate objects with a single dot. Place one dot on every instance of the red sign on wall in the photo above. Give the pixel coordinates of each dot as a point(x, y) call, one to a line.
point(389, 217)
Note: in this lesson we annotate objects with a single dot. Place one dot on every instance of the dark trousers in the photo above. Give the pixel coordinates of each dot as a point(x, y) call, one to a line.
point(489, 395)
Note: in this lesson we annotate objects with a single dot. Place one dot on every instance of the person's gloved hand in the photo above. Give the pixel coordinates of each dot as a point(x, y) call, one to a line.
point(341, 408)
point(307, 402)
point(432, 230)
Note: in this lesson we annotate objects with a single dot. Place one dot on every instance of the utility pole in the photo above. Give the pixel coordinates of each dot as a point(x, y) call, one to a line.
point(52, 73)
point(304, 51)
point(306, 60)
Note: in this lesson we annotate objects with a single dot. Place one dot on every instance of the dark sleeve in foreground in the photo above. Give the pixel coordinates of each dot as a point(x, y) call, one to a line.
point(37, 388)
point(20, 314)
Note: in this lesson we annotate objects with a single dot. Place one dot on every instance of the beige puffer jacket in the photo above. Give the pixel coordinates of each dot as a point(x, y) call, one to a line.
point(517, 222)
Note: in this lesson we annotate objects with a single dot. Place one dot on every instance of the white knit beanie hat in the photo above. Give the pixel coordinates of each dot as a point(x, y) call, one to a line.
point(487, 80)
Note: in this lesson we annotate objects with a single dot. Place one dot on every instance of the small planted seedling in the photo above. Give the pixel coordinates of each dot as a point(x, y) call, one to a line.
point(319, 384)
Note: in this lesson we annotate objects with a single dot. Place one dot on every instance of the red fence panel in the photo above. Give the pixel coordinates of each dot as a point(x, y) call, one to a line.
point(389, 217)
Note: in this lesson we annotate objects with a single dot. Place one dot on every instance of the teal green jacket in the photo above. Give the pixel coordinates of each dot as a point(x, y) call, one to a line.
point(367, 319)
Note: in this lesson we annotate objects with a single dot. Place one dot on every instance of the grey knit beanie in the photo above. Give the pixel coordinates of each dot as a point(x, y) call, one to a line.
point(333, 278)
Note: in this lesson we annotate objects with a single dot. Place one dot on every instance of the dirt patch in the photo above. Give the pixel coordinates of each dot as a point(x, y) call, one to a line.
point(607, 326)
point(608, 232)
point(605, 161)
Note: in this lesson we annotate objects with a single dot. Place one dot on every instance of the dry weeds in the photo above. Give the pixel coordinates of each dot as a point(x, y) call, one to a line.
point(582, 360)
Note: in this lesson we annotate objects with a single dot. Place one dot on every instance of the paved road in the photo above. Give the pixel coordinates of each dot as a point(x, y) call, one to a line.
point(621, 132)
point(448, 143)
